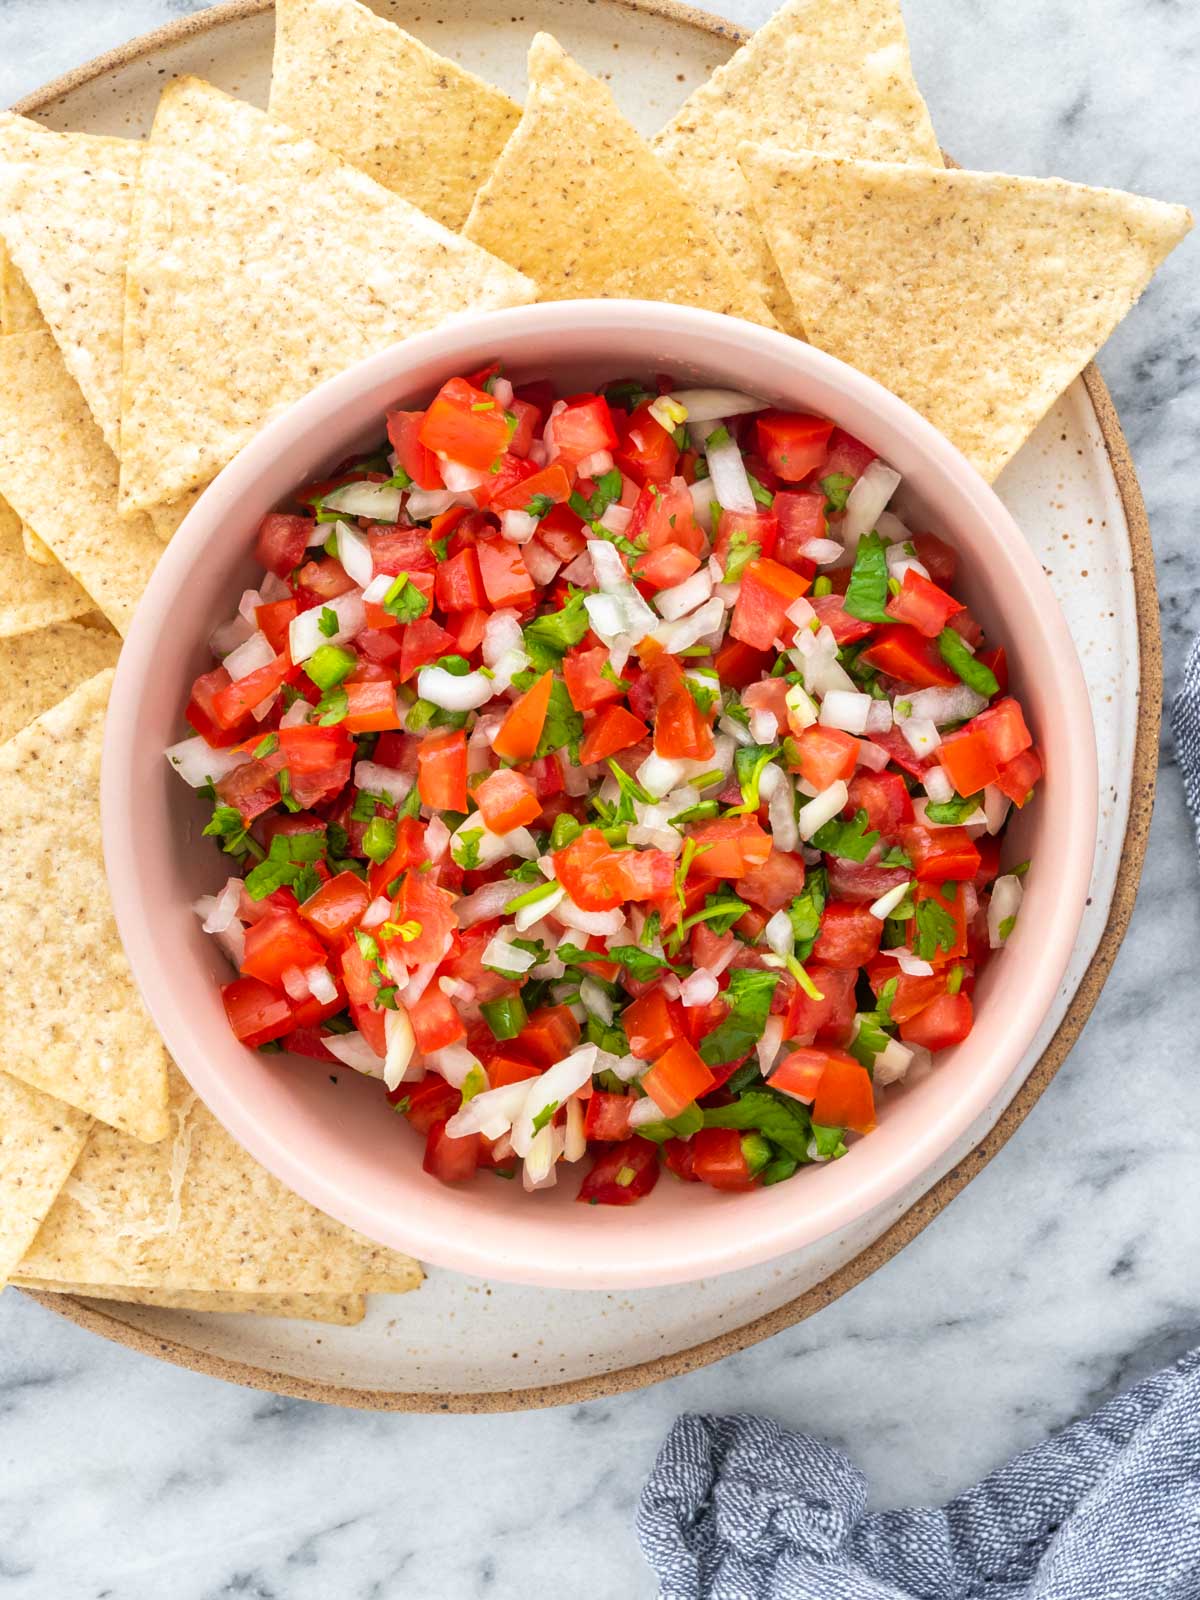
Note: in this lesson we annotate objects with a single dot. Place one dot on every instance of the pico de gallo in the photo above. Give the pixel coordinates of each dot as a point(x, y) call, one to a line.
point(616, 778)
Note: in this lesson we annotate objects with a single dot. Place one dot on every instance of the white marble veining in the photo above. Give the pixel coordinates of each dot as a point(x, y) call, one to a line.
point(1063, 1272)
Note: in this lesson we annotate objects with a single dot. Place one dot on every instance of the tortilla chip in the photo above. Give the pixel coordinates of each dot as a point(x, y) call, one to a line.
point(974, 296)
point(59, 475)
point(237, 305)
point(343, 1309)
point(418, 123)
point(31, 596)
point(71, 1017)
point(829, 75)
point(40, 669)
point(197, 1212)
point(166, 519)
point(38, 551)
point(40, 1141)
point(65, 205)
point(580, 203)
point(18, 309)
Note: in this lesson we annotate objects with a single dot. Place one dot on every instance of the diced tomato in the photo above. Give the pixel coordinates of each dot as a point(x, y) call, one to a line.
point(826, 755)
point(679, 1157)
point(739, 532)
point(773, 885)
point(561, 531)
point(861, 884)
point(520, 733)
point(966, 760)
point(442, 771)
point(609, 731)
point(336, 908)
point(435, 1022)
point(903, 653)
point(1017, 778)
point(583, 675)
point(799, 1074)
point(912, 992)
point(681, 730)
point(652, 1023)
point(551, 481)
point(665, 567)
point(413, 457)
point(678, 1077)
point(937, 557)
point(940, 854)
point(583, 428)
point(274, 621)
point(282, 542)
point(945, 1021)
point(849, 935)
point(231, 704)
point(320, 581)
point(622, 1175)
point(400, 549)
point(829, 1020)
point(767, 590)
point(370, 707)
point(450, 1160)
point(1002, 727)
point(792, 443)
point(466, 629)
point(505, 1067)
point(845, 1098)
point(459, 583)
point(318, 761)
point(599, 878)
point(801, 517)
point(465, 425)
point(949, 897)
point(718, 1159)
point(257, 1013)
point(663, 515)
point(506, 580)
point(997, 663)
point(550, 1034)
point(508, 476)
point(832, 615)
point(731, 847)
point(885, 799)
point(201, 711)
point(506, 800)
point(429, 1101)
point(646, 451)
point(740, 664)
point(279, 941)
point(423, 642)
point(846, 456)
point(607, 1116)
point(421, 901)
point(922, 605)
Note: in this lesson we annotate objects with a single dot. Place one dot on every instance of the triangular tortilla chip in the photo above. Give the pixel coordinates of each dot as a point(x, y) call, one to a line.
point(65, 205)
point(59, 475)
point(167, 518)
point(344, 1310)
point(974, 296)
point(419, 124)
point(580, 203)
point(18, 309)
point(31, 596)
point(40, 1141)
point(71, 1018)
point(40, 669)
point(197, 1212)
point(237, 304)
point(829, 75)
point(38, 551)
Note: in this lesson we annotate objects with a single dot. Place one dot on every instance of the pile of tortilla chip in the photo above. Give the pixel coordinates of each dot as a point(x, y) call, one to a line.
point(162, 299)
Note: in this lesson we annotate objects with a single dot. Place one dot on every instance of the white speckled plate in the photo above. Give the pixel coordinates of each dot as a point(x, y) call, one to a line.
point(459, 1344)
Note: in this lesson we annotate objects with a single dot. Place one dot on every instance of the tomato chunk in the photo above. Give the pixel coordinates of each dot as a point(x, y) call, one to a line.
point(450, 1160)
point(845, 1098)
point(626, 1173)
point(903, 653)
point(609, 731)
point(521, 731)
point(768, 589)
point(257, 1013)
point(607, 1116)
point(922, 605)
point(731, 847)
point(719, 1159)
point(943, 1022)
point(940, 854)
point(442, 771)
point(465, 425)
point(849, 935)
point(678, 1077)
point(279, 941)
point(507, 800)
point(791, 443)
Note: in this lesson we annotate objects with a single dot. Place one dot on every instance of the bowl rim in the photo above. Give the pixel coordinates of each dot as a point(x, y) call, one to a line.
point(826, 1212)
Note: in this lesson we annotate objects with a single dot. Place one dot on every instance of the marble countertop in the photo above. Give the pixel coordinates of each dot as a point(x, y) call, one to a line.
point(1063, 1273)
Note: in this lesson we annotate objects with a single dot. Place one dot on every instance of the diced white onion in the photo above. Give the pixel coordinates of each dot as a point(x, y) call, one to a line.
point(822, 809)
point(872, 756)
point(608, 566)
point(912, 965)
point(619, 613)
point(528, 915)
point(249, 656)
point(553, 1087)
point(1007, 894)
point(601, 922)
point(937, 784)
point(449, 693)
point(377, 779)
point(955, 704)
point(502, 392)
point(764, 725)
point(658, 775)
point(802, 711)
point(378, 911)
point(847, 711)
point(221, 910)
point(575, 1143)
point(454, 1062)
point(675, 637)
point(698, 989)
point(401, 1045)
point(595, 1000)
point(921, 735)
point(539, 1170)
point(437, 838)
point(352, 1050)
point(892, 1062)
point(727, 472)
point(426, 503)
point(776, 788)
point(710, 405)
point(222, 641)
point(490, 1113)
point(304, 632)
point(374, 501)
point(996, 805)
point(800, 612)
point(780, 934)
point(233, 943)
point(460, 479)
point(518, 526)
point(541, 564)
point(702, 499)
point(617, 518)
point(644, 1112)
point(320, 984)
point(500, 953)
point(823, 551)
point(595, 465)
point(196, 761)
point(879, 717)
point(375, 592)
point(354, 553)
point(768, 1044)
point(866, 501)
point(887, 903)
point(683, 597)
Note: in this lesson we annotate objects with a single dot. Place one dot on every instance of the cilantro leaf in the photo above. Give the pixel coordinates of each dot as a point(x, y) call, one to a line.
point(465, 849)
point(749, 763)
point(539, 505)
point(955, 810)
point(836, 489)
point(936, 930)
point(779, 1118)
point(852, 840)
point(806, 911)
point(549, 637)
point(226, 824)
point(742, 551)
point(328, 621)
point(404, 600)
point(974, 673)
point(867, 591)
point(288, 862)
point(749, 999)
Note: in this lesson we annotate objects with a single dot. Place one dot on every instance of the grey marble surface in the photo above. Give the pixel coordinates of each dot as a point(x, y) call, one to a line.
point(1063, 1273)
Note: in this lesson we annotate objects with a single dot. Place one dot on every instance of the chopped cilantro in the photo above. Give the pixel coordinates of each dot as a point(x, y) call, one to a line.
point(227, 825)
point(749, 999)
point(404, 600)
point(867, 591)
point(333, 707)
point(851, 840)
point(328, 621)
point(936, 930)
point(954, 811)
point(465, 849)
point(288, 860)
point(836, 489)
point(549, 637)
point(975, 674)
point(806, 911)
point(742, 551)
point(778, 1117)
point(379, 840)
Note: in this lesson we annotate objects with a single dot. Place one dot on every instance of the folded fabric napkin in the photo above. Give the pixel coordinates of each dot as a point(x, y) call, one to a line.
point(1185, 720)
point(737, 1508)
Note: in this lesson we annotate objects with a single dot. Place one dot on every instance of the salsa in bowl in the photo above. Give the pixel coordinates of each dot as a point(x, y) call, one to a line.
point(647, 808)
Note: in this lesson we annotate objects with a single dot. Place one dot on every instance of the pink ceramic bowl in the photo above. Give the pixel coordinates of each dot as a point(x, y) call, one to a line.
point(338, 1145)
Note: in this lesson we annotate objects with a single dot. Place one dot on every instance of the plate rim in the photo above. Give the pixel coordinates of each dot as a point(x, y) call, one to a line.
point(623, 1380)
